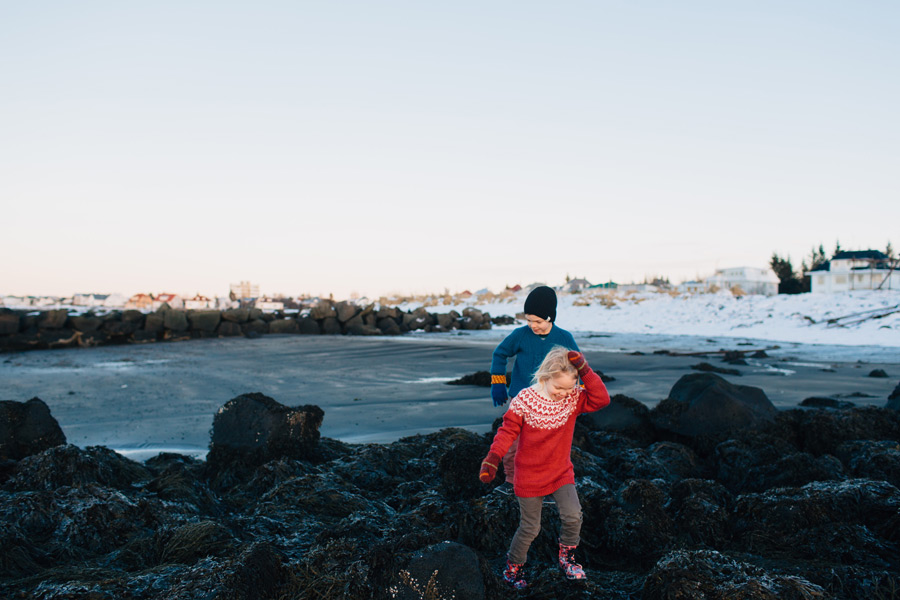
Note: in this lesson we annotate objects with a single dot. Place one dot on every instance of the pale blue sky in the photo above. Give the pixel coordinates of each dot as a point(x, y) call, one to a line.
point(415, 146)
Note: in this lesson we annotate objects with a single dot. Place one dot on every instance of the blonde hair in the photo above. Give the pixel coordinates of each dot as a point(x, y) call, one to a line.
point(555, 363)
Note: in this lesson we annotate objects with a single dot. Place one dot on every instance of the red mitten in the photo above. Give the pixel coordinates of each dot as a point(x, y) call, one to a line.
point(489, 467)
point(577, 360)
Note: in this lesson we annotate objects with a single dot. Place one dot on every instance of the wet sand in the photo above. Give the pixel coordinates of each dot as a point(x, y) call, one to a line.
point(143, 399)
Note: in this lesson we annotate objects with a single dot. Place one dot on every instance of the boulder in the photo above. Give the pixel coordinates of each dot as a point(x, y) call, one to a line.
point(826, 402)
point(229, 329)
point(822, 431)
point(623, 415)
point(418, 319)
point(388, 312)
point(236, 315)
point(86, 323)
point(701, 509)
point(331, 326)
point(53, 319)
point(255, 328)
point(204, 320)
point(710, 575)
point(345, 311)
point(456, 467)
point(388, 326)
point(70, 466)
point(155, 323)
point(704, 404)
point(27, 428)
point(472, 318)
point(308, 326)
point(133, 316)
point(175, 320)
point(479, 378)
point(252, 429)
point(448, 320)
point(872, 460)
point(324, 309)
point(284, 326)
point(708, 368)
point(894, 399)
point(880, 373)
point(444, 570)
point(9, 323)
point(637, 529)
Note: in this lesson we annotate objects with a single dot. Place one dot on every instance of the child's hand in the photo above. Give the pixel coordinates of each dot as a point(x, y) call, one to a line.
point(498, 390)
point(577, 360)
point(489, 467)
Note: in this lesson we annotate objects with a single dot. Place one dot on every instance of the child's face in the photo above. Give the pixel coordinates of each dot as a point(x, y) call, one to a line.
point(560, 386)
point(538, 325)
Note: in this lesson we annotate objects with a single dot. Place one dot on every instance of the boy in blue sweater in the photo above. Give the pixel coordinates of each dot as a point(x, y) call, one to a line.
point(529, 345)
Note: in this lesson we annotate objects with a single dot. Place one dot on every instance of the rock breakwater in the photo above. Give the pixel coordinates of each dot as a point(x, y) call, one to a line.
point(38, 330)
point(795, 504)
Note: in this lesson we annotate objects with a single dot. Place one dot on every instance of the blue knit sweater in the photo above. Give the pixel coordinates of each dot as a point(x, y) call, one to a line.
point(529, 349)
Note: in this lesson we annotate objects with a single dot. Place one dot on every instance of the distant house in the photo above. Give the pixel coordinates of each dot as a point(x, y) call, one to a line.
point(637, 287)
point(856, 270)
point(115, 301)
point(750, 280)
point(199, 302)
point(576, 285)
point(268, 304)
point(691, 287)
point(515, 288)
point(140, 302)
point(173, 300)
point(15, 301)
point(609, 285)
point(89, 300)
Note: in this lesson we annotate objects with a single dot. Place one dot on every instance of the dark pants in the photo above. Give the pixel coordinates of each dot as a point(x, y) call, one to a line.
point(530, 521)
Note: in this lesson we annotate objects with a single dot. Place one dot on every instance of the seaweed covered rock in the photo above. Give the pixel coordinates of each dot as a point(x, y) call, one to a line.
point(822, 431)
point(445, 570)
point(704, 404)
point(637, 528)
point(668, 461)
point(846, 521)
point(457, 467)
point(894, 399)
point(701, 509)
point(710, 575)
point(27, 428)
point(252, 429)
point(872, 459)
point(71, 466)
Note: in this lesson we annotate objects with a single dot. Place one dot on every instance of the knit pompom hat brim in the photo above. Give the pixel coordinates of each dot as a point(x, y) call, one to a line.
point(541, 302)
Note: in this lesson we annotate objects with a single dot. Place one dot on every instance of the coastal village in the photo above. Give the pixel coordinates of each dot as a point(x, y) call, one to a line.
point(845, 271)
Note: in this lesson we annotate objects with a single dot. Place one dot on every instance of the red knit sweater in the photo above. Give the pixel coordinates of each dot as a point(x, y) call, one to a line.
point(544, 428)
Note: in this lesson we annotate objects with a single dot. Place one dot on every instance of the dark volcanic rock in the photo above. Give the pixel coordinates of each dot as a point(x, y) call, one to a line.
point(204, 320)
point(822, 431)
point(701, 509)
point(710, 575)
point(9, 322)
point(479, 378)
point(253, 429)
point(175, 320)
point(706, 367)
point(456, 467)
point(284, 326)
point(873, 460)
point(445, 570)
point(623, 415)
point(308, 326)
point(27, 428)
point(894, 399)
point(881, 373)
point(637, 528)
point(236, 315)
point(71, 466)
point(705, 404)
point(826, 402)
point(53, 319)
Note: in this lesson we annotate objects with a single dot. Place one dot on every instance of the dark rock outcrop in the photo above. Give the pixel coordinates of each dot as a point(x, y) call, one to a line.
point(704, 404)
point(27, 428)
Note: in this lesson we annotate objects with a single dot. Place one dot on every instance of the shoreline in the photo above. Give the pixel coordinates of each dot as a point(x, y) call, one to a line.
point(143, 399)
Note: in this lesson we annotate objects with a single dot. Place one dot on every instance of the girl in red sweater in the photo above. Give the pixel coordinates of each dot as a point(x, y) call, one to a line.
point(542, 418)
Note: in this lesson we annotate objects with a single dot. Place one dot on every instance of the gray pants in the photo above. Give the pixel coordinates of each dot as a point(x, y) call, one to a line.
point(530, 521)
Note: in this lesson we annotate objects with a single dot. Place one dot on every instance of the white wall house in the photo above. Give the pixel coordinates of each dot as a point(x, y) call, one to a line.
point(199, 302)
point(751, 280)
point(856, 270)
point(268, 304)
point(173, 300)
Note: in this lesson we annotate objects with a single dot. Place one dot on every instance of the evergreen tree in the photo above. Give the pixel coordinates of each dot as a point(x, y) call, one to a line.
point(789, 283)
point(837, 248)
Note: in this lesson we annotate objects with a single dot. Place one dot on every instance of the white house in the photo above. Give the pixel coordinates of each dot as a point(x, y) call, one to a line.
point(89, 300)
point(856, 270)
point(576, 285)
point(751, 280)
point(173, 300)
point(691, 287)
point(199, 302)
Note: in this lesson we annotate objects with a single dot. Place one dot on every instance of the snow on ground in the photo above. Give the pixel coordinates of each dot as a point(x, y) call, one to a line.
point(801, 318)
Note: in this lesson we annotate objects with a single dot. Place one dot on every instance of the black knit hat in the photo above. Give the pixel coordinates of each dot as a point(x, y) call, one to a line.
point(541, 302)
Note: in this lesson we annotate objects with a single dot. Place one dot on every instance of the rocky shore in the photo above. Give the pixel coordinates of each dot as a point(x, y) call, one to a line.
point(61, 328)
point(712, 494)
